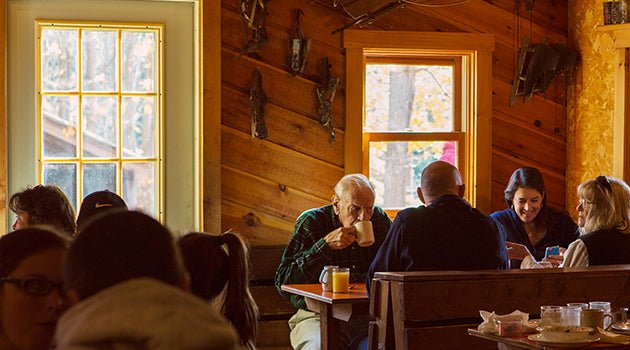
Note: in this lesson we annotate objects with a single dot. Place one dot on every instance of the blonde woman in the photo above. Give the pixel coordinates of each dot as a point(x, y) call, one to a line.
point(604, 221)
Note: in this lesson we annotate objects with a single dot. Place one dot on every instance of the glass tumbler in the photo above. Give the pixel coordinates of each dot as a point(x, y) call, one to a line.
point(551, 315)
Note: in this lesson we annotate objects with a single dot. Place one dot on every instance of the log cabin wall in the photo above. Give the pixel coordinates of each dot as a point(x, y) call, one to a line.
point(267, 183)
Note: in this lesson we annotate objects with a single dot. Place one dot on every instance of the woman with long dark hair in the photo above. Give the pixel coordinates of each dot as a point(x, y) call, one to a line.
point(219, 273)
point(531, 225)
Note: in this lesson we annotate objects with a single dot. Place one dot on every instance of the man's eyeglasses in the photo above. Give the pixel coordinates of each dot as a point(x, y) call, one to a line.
point(35, 286)
point(602, 182)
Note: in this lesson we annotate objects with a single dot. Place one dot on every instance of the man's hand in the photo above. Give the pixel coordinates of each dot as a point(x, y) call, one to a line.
point(341, 237)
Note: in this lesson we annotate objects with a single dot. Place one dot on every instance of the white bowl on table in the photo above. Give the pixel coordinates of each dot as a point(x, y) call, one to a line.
point(565, 334)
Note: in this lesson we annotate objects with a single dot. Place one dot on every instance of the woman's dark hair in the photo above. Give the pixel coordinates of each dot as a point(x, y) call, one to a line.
point(214, 262)
point(45, 205)
point(21, 244)
point(528, 177)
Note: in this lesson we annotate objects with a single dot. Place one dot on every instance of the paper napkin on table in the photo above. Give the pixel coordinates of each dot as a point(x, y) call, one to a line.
point(489, 324)
point(610, 337)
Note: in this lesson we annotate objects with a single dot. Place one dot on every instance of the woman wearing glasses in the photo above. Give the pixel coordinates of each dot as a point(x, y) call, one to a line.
point(604, 220)
point(30, 292)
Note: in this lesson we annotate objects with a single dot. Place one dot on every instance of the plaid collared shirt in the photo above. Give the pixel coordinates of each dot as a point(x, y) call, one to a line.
point(307, 253)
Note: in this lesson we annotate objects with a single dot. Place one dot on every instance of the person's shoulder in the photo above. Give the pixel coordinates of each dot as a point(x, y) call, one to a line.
point(413, 213)
point(315, 213)
point(502, 214)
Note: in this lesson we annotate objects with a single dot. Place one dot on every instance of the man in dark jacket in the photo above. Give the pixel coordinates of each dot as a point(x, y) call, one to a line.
point(444, 234)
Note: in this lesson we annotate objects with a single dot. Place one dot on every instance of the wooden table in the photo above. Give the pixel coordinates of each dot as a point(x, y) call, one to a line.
point(332, 307)
point(524, 343)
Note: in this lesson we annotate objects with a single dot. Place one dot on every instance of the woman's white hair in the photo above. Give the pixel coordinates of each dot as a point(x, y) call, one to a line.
point(609, 198)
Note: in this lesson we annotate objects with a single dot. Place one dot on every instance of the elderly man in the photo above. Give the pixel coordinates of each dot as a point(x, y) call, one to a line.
point(445, 234)
point(326, 236)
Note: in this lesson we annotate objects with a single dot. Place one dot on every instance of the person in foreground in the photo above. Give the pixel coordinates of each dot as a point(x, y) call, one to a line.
point(219, 273)
point(43, 205)
point(604, 220)
point(326, 236)
point(97, 203)
point(444, 234)
point(531, 225)
point(31, 301)
point(127, 286)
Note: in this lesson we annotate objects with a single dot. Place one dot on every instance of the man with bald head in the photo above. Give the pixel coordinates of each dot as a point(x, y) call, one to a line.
point(327, 236)
point(445, 233)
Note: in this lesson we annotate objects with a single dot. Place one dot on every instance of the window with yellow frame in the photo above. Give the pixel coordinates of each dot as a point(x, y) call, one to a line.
point(100, 104)
point(413, 98)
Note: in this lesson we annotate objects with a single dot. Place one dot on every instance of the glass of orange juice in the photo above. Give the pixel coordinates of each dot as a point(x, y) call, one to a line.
point(341, 280)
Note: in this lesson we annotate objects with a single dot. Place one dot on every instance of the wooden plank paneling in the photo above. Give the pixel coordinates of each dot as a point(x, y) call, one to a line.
point(514, 139)
point(286, 128)
point(550, 14)
point(3, 115)
point(552, 116)
point(211, 117)
point(479, 16)
point(276, 50)
point(265, 195)
point(278, 164)
point(294, 94)
point(258, 227)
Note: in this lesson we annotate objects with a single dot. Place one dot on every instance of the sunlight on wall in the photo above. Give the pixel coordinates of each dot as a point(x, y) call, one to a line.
point(590, 100)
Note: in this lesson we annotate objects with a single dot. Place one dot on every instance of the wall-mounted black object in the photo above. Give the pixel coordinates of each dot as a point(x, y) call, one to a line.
point(325, 95)
point(253, 14)
point(258, 100)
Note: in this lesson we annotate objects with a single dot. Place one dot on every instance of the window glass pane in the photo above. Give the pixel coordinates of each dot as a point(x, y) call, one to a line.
point(138, 61)
point(99, 126)
point(98, 177)
point(63, 176)
point(408, 98)
point(60, 116)
point(98, 65)
point(138, 127)
point(59, 60)
point(139, 186)
point(396, 168)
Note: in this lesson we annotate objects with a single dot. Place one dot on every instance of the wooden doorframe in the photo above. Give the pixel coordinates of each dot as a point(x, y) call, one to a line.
point(621, 113)
point(3, 114)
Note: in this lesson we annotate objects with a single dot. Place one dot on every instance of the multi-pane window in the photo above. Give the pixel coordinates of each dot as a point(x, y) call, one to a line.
point(413, 98)
point(100, 110)
point(412, 117)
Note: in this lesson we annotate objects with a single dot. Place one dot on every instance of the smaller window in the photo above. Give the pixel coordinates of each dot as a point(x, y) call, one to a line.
point(413, 98)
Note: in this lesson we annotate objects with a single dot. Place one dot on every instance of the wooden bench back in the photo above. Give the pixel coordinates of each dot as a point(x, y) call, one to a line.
point(432, 310)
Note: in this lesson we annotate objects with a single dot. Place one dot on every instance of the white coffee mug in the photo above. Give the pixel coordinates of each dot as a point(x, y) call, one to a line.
point(365, 233)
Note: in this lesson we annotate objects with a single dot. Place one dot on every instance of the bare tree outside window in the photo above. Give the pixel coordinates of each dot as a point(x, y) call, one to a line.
point(99, 90)
point(405, 104)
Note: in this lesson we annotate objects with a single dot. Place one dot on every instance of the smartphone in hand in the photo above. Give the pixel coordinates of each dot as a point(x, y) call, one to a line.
point(555, 250)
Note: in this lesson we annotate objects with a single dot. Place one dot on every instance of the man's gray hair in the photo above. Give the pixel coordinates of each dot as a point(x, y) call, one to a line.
point(354, 181)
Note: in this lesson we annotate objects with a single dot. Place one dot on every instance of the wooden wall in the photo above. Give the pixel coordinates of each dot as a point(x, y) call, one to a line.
point(3, 116)
point(267, 183)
